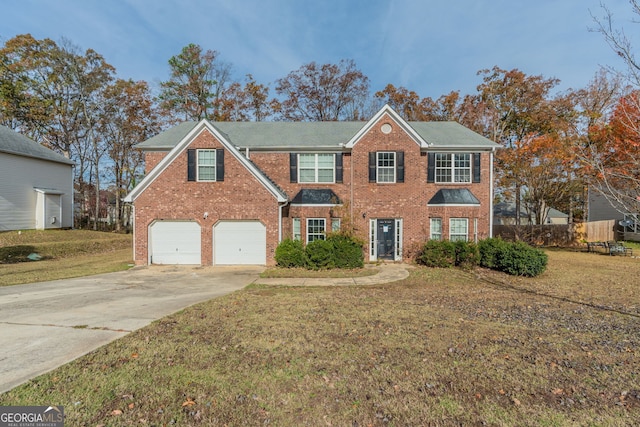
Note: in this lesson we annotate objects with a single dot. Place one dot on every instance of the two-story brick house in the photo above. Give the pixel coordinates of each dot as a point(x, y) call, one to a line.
point(229, 192)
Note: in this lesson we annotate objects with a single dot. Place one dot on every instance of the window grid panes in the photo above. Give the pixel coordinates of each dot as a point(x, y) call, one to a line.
point(458, 229)
point(315, 229)
point(316, 167)
point(453, 167)
point(206, 165)
point(386, 167)
point(436, 228)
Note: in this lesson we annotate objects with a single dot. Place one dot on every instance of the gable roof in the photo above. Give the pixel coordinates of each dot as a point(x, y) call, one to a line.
point(183, 143)
point(12, 142)
point(324, 136)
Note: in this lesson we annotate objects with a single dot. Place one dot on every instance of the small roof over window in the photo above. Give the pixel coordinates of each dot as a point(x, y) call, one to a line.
point(454, 196)
point(308, 196)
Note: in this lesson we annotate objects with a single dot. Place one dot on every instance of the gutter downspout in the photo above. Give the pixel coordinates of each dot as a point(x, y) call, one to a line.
point(280, 220)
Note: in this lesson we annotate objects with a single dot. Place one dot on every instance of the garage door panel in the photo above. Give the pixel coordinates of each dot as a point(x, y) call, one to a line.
point(240, 243)
point(175, 242)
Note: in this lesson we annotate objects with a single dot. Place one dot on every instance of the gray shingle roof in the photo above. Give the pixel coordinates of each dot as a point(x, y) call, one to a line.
point(14, 143)
point(316, 135)
point(322, 196)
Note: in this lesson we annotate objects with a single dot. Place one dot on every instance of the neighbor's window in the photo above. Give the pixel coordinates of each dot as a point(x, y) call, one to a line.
point(316, 168)
point(386, 170)
point(296, 229)
point(458, 229)
point(453, 167)
point(315, 229)
point(436, 228)
point(206, 165)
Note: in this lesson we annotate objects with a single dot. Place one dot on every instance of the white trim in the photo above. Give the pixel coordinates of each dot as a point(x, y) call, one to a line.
point(317, 169)
point(373, 240)
point(393, 116)
point(490, 192)
point(455, 204)
point(184, 143)
point(398, 240)
point(306, 231)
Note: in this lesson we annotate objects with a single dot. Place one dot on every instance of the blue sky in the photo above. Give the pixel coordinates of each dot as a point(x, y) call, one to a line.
point(429, 46)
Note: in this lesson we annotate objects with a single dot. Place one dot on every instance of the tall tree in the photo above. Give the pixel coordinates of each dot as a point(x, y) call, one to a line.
point(326, 92)
point(520, 107)
point(248, 103)
point(130, 116)
point(612, 156)
point(616, 172)
point(196, 86)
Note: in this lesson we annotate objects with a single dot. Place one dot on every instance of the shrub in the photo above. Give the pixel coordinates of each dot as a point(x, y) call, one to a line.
point(320, 254)
point(347, 251)
point(520, 259)
point(466, 254)
point(490, 252)
point(290, 253)
point(437, 253)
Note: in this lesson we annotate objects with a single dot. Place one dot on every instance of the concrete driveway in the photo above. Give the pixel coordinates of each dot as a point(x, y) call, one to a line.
point(45, 325)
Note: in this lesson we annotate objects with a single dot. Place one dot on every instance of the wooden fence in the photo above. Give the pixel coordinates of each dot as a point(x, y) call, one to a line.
point(559, 234)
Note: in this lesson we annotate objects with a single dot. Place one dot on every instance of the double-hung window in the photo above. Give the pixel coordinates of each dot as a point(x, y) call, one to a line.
point(315, 229)
point(458, 229)
point(316, 168)
point(386, 166)
point(436, 228)
point(296, 229)
point(206, 165)
point(450, 167)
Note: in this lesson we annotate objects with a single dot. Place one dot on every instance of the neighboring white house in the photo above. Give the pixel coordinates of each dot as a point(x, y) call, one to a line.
point(36, 185)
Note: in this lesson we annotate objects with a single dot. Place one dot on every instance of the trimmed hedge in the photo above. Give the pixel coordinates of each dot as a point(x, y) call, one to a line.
point(515, 258)
point(336, 251)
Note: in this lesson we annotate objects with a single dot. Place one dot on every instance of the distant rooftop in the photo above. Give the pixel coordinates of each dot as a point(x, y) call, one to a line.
point(15, 143)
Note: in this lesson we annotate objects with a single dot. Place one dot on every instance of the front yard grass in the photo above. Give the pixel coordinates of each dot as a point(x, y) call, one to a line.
point(443, 347)
point(61, 254)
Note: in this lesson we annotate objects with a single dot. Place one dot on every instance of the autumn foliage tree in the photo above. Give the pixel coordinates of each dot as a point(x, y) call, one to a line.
point(328, 92)
point(612, 155)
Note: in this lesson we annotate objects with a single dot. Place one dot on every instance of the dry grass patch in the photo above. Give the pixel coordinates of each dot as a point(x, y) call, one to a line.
point(62, 254)
point(443, 347)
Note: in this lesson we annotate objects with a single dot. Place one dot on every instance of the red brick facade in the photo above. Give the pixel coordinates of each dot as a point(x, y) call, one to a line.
point(242, 197)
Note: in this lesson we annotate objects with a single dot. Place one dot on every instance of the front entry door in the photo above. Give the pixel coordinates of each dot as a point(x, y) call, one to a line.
point(386, 239)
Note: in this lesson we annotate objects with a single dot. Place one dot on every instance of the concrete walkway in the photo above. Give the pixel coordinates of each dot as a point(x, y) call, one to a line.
point(387, 273)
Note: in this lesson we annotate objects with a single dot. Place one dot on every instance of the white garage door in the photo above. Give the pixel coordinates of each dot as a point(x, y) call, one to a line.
point(175, 242)
point(240, 242)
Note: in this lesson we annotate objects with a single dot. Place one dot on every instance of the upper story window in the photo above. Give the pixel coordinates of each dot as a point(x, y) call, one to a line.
point(386, 166)
point(313, 168)
point(206, 165)
point(453, 167)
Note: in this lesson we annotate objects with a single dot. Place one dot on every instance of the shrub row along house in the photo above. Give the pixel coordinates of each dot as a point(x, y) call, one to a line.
point(229, 192)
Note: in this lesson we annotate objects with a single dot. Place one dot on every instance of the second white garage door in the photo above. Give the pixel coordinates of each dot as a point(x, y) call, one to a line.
point(239, 243)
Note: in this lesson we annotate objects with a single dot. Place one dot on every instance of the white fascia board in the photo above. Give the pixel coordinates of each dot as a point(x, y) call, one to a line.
point(179, 148)
point(396, 118)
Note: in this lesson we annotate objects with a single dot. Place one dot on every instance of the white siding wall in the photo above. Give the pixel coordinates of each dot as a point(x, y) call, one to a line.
point(18, 178)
